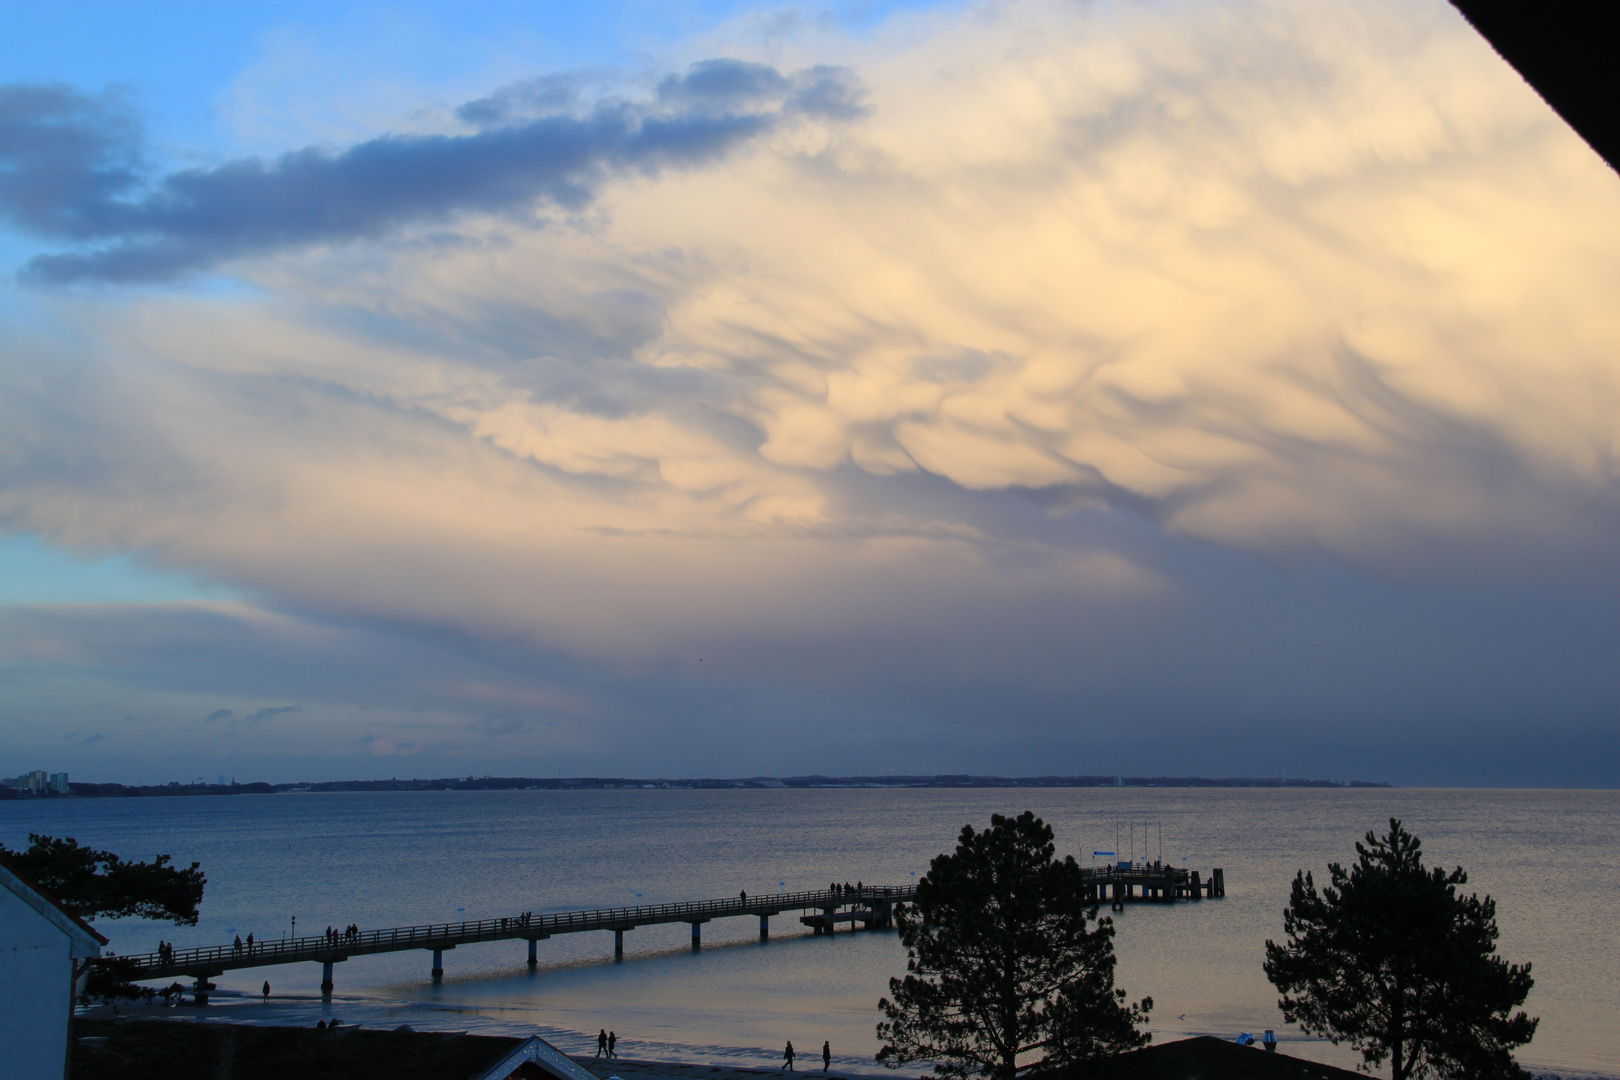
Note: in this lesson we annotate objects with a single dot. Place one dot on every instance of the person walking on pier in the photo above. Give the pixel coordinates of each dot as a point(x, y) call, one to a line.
point(613, 1044)
point(787, 1058)
point(601, 1042)
point(236, 949)
point(745, 896)
point(826, 1056)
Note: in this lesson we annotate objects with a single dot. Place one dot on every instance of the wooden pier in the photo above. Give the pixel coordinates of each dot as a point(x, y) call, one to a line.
point(1121, 883)
point(440, 938)
point(871, 907)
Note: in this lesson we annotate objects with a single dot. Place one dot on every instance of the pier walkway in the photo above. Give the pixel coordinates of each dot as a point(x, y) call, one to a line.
point(874, 905)
point(871, 907)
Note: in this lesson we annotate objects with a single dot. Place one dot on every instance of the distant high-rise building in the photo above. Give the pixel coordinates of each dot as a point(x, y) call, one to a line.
point(38, 781)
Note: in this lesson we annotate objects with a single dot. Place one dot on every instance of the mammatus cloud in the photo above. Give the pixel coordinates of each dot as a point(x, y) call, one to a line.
point(990, 395)
point(70, 169)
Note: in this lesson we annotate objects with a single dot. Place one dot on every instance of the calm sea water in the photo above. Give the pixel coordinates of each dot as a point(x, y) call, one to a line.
point(1550, 858)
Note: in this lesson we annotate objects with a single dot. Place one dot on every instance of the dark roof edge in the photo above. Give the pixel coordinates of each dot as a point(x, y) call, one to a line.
point(8, 870)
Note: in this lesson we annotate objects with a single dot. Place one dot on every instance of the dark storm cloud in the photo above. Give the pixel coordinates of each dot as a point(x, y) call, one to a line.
point(543, 95)
point(69, 167)
point(735, 84)
point(262, 715)
point(65, 159)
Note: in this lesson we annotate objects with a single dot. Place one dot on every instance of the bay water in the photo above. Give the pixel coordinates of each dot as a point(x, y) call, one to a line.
point(1551, 859)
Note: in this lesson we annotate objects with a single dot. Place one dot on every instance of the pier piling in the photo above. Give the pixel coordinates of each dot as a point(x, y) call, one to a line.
point(764, 928)
point(438, 964)
point(618, 942)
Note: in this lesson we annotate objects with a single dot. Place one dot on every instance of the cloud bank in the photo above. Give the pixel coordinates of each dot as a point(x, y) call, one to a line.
point(1086, 377)
point(69, 169)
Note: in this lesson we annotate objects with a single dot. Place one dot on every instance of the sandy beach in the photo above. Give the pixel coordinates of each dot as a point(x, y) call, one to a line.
point(629, 1069)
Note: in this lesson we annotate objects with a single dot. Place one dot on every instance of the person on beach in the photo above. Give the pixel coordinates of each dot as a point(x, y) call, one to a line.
point(787, 1058)
point(601, 1042)
point(826, 1056)
point(613, 1043)
point(265, 990)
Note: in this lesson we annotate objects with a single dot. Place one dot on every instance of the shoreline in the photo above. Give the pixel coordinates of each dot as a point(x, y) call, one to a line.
point(653, 1060)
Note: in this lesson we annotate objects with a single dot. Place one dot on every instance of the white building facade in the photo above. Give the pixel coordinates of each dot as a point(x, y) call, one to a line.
point(40, 947)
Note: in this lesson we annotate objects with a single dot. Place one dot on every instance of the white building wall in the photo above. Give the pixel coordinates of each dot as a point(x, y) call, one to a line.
point(36, 992)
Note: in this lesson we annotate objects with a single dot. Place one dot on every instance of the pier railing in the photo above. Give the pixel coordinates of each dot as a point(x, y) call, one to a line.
point(531, 926)
point(872, 906)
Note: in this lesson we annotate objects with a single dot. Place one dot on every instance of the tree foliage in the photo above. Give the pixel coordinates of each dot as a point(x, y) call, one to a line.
point(110, 979)
point(93, 884)
point(1393, 960)
point(1006, 974)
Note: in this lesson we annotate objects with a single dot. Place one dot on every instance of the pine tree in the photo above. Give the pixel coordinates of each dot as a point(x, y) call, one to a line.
point(1007, 975)
point(99, 884)
point(1391, 959)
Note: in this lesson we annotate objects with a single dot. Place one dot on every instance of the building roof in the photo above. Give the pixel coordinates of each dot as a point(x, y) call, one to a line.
point(534, 1057)
point(1206, 1057)
point(86, 942)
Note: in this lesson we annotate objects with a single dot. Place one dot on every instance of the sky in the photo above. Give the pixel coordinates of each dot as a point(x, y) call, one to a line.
point(1158, 387)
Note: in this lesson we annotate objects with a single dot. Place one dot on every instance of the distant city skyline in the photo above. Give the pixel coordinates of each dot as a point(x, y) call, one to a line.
point(1114, 388)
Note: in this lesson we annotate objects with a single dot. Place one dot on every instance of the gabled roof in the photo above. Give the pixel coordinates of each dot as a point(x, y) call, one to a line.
point(534, 1056)
point(86, 942)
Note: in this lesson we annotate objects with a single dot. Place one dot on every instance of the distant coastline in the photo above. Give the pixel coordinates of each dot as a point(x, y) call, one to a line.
point(586, 783)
